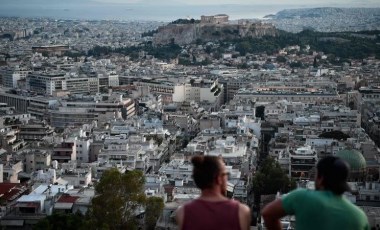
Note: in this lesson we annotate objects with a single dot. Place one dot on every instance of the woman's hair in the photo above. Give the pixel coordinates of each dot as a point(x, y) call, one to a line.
point(205, 170)
point(334, 172)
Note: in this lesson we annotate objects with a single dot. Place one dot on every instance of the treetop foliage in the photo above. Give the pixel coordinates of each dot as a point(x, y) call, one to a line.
point(185, 21)
point(341, 46)
point(336, 134)
point(118, 197)
point(271, 178)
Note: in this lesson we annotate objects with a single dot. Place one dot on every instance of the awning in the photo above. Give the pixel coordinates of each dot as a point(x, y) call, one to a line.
point(63, 205)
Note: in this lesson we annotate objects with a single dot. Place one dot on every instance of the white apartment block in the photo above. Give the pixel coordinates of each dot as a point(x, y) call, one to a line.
point(37, 160)
point(108, 79)
point(79, 112)
point(50, 83)
point(163, 87)
point(131, 155)
point(83, 148)
point(11, 76)
point(199, 91)
point(178, 169)
point(233, 153)
point(293, 96)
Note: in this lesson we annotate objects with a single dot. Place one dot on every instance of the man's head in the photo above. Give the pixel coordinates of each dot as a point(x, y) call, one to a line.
point(209, 172)
point(332, 174)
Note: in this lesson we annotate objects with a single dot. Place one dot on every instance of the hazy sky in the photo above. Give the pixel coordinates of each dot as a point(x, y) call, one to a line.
point(251, 2)
point(162, 10)
point(342, 3)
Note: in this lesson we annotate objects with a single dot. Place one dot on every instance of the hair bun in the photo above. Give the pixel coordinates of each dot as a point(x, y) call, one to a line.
point(197, 161)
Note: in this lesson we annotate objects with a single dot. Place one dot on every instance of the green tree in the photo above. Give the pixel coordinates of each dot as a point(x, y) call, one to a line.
point(270, 179)
point(297, 64)
point(153, 210)
point(61, 221)
point(335, 134)
point(118, 196)
point(315, 63)
point(260, 112)
point(281, 59)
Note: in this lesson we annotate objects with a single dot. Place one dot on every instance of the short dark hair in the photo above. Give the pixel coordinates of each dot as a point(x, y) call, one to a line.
point(205, 170)
point(335, 172)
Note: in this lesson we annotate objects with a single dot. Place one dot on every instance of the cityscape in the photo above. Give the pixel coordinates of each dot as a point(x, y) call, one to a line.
point(99, 118)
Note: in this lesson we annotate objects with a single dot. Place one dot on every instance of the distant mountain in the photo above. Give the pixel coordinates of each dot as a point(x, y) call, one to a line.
point(323, 12)
point(327, 19)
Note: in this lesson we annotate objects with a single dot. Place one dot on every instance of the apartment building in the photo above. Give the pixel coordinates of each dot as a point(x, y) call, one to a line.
point(199, 90)
point(50, 83)
point(11, 75)
point(37, 160)
point(65, 152)
point(302, 162)
point(309, 96)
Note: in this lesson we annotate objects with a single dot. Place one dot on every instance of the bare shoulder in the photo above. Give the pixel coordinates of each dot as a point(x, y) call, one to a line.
point(179, 213)
point(244, 208)
point(244, 216)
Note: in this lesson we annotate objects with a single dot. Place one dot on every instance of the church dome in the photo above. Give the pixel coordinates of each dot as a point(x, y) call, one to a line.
point(354, 158)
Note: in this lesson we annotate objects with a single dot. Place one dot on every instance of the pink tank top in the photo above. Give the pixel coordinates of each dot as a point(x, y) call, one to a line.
point(208, 215)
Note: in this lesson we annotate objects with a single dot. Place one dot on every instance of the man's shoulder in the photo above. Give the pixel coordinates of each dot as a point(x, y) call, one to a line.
point(354, 209)
point(298, 192)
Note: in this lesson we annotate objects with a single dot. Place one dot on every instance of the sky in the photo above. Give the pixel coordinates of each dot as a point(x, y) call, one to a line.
point(346, 3)
point(162, 10)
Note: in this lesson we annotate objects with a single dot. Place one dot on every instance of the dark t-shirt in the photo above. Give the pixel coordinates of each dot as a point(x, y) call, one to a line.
point(208, 215)
point(323, 210)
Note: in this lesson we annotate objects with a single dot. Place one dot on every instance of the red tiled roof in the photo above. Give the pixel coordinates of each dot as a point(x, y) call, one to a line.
point(9, 191)
point(67, 199)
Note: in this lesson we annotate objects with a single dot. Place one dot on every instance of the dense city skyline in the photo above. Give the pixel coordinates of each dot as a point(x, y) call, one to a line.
point(103, 104)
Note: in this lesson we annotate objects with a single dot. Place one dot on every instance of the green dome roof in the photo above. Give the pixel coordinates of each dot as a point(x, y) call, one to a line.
point(354, 158)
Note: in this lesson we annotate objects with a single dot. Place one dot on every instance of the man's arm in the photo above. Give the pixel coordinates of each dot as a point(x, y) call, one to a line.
point(244, 217)
point(180, 212)
point(272, 213)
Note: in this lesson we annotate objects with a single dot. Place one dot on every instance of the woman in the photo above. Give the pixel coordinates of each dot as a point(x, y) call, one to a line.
point(212, 210)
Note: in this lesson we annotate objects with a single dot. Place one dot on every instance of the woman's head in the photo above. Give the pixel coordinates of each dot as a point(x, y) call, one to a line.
point(207, 170)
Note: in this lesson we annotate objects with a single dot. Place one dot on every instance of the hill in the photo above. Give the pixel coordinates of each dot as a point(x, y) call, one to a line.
point(327, 19)
point(189, 33)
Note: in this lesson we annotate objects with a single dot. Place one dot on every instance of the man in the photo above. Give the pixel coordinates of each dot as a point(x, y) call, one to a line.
point(212, 210)
point(324, 208)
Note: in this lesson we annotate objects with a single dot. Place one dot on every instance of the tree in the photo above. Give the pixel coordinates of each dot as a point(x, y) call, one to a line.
point(61, 221)
point(153, 210)
point(260, 112)
point(269, 179)
point(297, 64)
point(118, 196)
point(281, 59)
point(315, 63)
point(335, 134)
